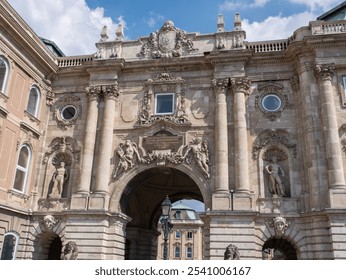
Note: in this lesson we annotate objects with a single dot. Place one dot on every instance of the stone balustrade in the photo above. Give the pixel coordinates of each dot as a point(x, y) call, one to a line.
point(73, 60)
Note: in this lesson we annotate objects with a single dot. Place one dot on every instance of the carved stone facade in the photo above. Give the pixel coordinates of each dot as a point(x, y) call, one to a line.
point(254, 130)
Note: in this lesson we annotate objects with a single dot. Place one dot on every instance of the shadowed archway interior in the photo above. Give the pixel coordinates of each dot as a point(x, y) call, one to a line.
point(142, 199)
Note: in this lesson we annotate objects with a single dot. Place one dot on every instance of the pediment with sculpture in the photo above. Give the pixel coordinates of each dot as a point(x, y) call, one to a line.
point(167, 42)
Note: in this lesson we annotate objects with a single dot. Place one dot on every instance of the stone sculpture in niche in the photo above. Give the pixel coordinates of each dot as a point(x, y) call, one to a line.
point(274, 171)
point(60, 176)
point(231, 253)
point(168, 42)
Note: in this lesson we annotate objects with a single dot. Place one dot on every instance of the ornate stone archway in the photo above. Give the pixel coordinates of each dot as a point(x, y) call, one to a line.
point(141, 200)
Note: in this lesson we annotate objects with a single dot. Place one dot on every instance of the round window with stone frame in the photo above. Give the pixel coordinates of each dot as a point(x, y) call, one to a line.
point(68, 112)
point(271, 102)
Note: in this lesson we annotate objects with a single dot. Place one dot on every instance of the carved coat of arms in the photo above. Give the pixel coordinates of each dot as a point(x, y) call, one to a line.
point(169, 41)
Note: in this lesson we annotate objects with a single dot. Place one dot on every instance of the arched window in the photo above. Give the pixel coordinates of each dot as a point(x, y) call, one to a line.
point(177, 252)
point(189, 252)
point(4, 70)
point(9, 247)
point(33, 102)
point(22, 169)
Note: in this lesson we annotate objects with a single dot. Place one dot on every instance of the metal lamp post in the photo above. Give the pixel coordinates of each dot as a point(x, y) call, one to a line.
point(166, 225)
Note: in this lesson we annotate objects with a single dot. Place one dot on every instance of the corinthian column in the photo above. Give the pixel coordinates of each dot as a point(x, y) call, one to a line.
point(89, 139)
point(221, 136)
point(240, 88)
point(110, 93)
point(335, 170)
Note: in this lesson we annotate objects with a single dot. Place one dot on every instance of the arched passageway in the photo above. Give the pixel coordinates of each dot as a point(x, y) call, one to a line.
point(48, 246)
point(279, 249)
point(142, 199)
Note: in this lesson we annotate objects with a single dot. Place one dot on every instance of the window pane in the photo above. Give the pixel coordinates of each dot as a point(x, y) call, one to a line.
point(3, 70)
point(189, 252)
point(32, 103)
point(177, 252)
point(164, 104)
point(271, 102)
point(8, 247)
point(23, 157)
point(19, 180)
point(68, 113)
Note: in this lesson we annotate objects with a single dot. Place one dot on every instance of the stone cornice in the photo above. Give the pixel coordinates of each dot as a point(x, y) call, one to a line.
point(229, 56)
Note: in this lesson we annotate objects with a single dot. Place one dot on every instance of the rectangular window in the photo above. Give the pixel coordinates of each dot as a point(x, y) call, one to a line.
point(343, 89)
point(164, 103)
point(189, 235)
point(177, 234)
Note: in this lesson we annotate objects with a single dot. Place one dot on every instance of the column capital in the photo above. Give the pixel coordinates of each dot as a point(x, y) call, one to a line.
point(220, 84)
point(93, 92)
point(324, 71)
point(241, 84)
point(110, 91)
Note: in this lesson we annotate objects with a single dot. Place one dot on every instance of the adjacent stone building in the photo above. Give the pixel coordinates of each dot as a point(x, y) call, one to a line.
point(91, 145)
point(185, 238)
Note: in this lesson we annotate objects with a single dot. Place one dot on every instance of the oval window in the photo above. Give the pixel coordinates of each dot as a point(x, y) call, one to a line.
point(68, 112)
point(271, 102)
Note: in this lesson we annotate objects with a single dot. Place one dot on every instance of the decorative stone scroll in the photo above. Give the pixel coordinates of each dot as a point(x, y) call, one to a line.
point(164, 151)
point(168, 42)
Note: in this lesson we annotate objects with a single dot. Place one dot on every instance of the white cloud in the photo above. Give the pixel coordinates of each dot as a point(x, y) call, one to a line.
point(278, 27)
point(317, 4)
point(72, 25)
point(154, 18)
point(239, 4)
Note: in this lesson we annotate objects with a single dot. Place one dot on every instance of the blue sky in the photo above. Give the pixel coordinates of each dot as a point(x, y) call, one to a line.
point(75, 24)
